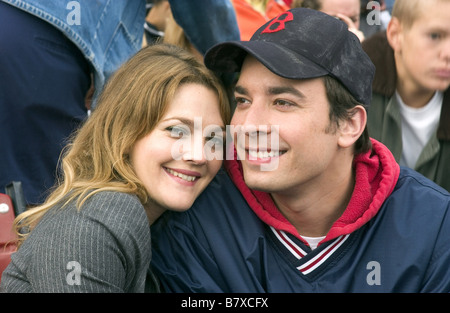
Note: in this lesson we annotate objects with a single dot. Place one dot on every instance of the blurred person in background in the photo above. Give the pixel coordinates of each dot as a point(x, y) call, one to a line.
point(346, 10)
point(158, 12)
point(198, 28)
point(410, 110)
point(251, 14)
point(55, 57)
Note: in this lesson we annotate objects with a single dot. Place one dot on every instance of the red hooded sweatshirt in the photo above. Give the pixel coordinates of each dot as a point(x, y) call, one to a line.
point(376, 174)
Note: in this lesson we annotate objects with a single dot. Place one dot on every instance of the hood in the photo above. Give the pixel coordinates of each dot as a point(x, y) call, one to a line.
point(376, 174)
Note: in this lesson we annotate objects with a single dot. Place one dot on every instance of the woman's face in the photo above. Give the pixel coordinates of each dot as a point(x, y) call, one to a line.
point(178, 159)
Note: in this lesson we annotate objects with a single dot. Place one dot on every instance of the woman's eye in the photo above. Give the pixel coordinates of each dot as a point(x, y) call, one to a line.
point(214, 144)
point(215, 140)
point(178, 131)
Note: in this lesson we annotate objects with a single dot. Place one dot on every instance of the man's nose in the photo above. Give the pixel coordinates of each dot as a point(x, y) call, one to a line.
point(253, 120)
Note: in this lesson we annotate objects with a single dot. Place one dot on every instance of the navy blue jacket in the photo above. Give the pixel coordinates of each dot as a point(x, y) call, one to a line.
point(399, 243)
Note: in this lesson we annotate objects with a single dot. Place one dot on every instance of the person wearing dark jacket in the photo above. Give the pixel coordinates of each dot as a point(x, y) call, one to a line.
point(308, 202)
point(55, 57)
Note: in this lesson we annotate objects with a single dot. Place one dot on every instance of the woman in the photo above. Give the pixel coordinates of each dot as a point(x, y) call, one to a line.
point(152, 144)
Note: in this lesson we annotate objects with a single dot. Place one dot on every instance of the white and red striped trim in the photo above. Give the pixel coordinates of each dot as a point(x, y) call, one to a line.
point(321, 257)
point(288, 243)
point(299, 253)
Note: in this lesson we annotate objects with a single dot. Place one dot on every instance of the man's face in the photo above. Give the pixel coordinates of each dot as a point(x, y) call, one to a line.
point(298, 111)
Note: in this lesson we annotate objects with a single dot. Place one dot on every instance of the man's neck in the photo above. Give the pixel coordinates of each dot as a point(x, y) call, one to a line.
point(313, 212)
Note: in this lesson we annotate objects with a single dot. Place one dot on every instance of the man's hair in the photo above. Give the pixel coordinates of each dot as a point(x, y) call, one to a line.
point(341, 108)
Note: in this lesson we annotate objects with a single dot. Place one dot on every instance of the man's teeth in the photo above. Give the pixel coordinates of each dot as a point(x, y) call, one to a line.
point(182, 176)
point(264, 154)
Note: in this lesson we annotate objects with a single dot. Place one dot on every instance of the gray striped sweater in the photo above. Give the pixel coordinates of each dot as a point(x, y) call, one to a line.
point(104, 247)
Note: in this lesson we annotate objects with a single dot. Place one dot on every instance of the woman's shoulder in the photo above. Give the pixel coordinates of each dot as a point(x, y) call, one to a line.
point(109, 228)
point(110, 211)
point(106, 218)
point(112, 204)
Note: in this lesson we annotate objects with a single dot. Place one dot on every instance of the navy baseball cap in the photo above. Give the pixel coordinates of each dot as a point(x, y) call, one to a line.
point(302, 43)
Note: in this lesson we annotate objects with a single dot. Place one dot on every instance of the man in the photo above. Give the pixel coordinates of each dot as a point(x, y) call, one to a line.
point(316, 205)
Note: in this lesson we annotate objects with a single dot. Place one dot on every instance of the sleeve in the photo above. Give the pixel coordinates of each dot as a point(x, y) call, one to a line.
point(182, 260)
point(204, 25)
point(437, 279)
point(105, 247)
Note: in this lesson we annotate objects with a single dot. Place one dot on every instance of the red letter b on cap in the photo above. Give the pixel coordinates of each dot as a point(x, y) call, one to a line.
point(281, 23)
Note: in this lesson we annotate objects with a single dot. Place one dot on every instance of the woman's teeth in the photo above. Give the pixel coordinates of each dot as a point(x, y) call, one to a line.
point(182, 176)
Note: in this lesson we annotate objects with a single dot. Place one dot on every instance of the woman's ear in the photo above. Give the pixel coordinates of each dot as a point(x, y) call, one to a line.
point(352, 128)
point(394, 34)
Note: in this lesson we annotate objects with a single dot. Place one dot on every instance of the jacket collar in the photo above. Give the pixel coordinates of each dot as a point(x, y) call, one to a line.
point(376, 174)
point(385, 80)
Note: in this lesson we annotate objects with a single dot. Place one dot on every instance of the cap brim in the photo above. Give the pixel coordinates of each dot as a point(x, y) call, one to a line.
point(229, 56)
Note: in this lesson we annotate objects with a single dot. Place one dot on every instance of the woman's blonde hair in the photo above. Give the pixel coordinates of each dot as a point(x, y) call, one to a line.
point(131, 104)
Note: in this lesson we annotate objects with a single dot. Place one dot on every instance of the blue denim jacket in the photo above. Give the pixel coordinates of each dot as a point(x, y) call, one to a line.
point(206, 22)
point(108, 32)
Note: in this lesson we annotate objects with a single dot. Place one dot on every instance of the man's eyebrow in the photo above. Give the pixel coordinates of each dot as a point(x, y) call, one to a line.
point(285, 89)
point(241, 90)
point(274, 91)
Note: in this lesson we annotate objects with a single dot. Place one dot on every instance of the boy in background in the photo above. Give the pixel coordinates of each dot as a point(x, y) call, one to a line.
point(410, 110)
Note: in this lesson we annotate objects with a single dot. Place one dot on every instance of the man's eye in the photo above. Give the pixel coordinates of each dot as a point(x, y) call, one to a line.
point(283, 103)
point(241, 101)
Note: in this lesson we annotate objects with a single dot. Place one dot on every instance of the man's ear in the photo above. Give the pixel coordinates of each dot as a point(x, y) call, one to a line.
point(352, 128)
point(394, 34)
